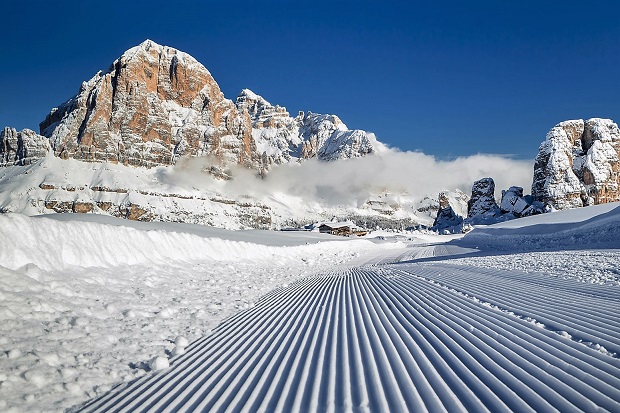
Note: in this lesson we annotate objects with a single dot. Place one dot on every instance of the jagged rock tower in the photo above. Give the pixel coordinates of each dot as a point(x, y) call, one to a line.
point(578, 164)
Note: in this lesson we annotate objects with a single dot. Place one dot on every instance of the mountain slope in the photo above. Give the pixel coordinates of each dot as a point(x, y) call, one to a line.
point(281, 138)
point(156, 107)
point(153, 105)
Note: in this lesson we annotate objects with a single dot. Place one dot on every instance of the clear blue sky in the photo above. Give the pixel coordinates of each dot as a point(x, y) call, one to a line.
point(448, 78)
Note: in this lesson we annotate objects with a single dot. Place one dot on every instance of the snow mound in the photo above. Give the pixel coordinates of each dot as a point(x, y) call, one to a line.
point(50, 244)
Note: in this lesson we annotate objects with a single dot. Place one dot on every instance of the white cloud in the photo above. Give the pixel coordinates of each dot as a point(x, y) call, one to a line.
point(349, 182)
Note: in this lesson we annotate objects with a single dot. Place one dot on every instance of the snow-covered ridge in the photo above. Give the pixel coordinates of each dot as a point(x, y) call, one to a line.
point(281, 138)
point(50, 244)
point(183, 193)
point(146, 45)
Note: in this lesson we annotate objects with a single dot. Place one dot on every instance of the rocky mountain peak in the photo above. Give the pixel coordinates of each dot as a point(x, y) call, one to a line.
point(262, 113)
point(578, 164)
point(156, 104)
point(153, 105)
point(281, 138)
point(21, 148)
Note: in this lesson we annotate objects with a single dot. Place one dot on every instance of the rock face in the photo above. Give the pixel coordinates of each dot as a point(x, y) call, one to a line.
point(275, 132)
point(156, 104)
point(21, 148)
point(578, 164)
point(329, 139)
point(452, 211)
point(153, 105)
point(482, 201)
point(513, 202)
point(281, 138)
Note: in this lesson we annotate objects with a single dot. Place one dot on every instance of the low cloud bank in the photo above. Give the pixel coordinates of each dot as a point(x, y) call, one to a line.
point(351, 181)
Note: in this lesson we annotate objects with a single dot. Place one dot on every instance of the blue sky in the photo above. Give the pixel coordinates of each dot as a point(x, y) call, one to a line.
point(448, 78)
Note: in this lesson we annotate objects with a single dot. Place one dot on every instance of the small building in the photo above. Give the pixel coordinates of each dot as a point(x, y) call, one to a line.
point(341, 228)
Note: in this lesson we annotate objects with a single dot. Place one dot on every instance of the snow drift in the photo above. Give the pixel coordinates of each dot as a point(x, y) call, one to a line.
point(50, 244)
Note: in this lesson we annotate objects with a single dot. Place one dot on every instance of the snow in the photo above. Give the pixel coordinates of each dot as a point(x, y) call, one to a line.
point(181, 193)
point(401, 337)
point(584, 228)
point(599, 266)
point(515, 316)
point(87, 301)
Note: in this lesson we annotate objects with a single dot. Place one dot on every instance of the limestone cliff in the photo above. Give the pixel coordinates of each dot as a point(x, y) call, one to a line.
point(153, 105)
point(578, 165)
point(21, 148)
point(281, 138)
point(156, 104)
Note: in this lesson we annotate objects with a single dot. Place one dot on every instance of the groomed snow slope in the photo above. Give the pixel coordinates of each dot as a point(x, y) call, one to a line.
point(312, 328)
point(432, 335)
point(400, 338)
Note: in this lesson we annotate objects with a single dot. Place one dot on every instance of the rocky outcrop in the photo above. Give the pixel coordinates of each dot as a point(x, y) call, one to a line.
point(513, 202)
point(482, 202)
point(275, 132)
point(329, 139)
point(578, 164)
point(452, 211)
point(153, 105)
point(482, 208)
point(22, 148)
point(281, 138)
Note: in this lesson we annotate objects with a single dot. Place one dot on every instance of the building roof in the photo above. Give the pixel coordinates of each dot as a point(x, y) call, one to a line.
point(336, 225)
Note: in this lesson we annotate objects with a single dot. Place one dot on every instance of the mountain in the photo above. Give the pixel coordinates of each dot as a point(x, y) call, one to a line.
point(156, 104)
point(135, 139)
point(153, 105)
point(21, 148)
point(578, 164)
point(281, 138)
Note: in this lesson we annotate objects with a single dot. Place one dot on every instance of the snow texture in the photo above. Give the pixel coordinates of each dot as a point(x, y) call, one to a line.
point(399, 323)
point(87, 302)
point(433, 335)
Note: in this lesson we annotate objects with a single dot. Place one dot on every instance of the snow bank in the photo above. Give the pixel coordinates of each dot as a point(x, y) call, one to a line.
point(51, 244)
point(583, 228)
